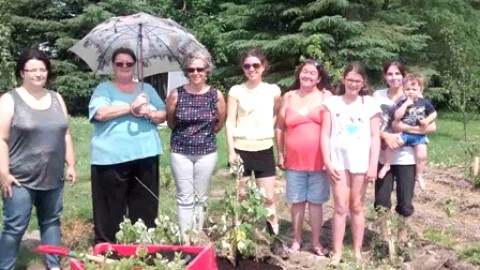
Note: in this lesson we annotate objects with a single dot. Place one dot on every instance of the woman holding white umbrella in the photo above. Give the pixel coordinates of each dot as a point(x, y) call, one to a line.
point(125, 149)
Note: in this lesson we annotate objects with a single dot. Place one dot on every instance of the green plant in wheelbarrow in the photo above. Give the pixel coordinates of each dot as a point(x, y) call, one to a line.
point(141, 260)
point(166, 231)
point(239, 230)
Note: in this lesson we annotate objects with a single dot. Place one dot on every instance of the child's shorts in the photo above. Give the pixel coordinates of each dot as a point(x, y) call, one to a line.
point(303, 186)
point(410, 139)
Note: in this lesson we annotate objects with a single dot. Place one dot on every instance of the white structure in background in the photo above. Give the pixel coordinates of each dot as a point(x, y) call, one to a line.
point(175, 79)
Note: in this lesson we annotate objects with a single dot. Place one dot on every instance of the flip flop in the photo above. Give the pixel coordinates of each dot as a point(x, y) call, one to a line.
point(321, 251)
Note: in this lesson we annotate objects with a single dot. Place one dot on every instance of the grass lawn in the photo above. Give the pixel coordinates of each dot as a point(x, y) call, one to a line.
point(446, 148)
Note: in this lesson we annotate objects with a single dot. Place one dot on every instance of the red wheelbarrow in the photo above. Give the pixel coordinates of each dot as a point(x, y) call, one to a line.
point(204, 259)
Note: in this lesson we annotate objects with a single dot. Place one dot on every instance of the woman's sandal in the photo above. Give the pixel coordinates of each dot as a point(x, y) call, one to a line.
point(321, 251)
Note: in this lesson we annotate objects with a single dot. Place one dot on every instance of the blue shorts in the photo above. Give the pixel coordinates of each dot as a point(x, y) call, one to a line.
point(303, 186)
point(410, 139)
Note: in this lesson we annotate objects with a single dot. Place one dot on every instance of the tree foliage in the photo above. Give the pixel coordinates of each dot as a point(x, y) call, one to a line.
point(333, 31)
point(6, 60)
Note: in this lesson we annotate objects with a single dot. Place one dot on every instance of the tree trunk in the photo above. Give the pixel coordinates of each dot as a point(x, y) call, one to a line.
point(386, 3)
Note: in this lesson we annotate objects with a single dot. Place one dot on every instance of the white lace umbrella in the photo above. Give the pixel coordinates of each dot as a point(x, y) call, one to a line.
point(159, 44)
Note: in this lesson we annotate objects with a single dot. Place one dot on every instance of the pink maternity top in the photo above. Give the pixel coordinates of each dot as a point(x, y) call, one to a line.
point(302, 139)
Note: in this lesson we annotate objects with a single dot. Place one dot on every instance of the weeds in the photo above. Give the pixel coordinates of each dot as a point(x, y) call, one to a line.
point(471, 254)
point(449, 206)
point(387, 245)
point(440, 237)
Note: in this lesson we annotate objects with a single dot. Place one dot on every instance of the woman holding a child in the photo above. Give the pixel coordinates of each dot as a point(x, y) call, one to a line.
point(402, 170)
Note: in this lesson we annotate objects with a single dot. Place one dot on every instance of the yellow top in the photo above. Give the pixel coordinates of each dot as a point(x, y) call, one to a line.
point(255, 116)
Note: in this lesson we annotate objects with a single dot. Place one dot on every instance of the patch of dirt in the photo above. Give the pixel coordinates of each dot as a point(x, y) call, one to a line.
point(76, 235)
point(449, 204)
point(246, 264)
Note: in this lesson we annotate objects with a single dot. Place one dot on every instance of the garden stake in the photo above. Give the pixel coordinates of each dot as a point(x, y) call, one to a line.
point(238, 169)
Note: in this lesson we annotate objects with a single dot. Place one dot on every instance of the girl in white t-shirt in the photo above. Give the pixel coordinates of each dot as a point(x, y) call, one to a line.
point(350, 147)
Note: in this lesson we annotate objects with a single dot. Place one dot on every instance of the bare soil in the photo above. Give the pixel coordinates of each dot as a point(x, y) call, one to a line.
point(246, 264)
point(448, 192)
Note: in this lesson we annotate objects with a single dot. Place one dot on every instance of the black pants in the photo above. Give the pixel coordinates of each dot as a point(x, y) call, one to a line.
point(404, 176)
point(116, 193)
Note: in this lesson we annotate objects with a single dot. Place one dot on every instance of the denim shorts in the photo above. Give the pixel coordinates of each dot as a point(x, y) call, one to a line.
point(303, 186)
point(410, 139)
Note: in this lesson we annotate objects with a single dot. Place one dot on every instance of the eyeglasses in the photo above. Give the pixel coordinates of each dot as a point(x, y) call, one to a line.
point(36, 70)
point(352, 81)
point(198, 70)
point(249, 66)
point(124, 64)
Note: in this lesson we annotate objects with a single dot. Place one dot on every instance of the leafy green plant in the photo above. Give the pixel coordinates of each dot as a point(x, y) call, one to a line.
point(383, 244)
point(471, 254)
point(237, 230)
point(142, 260)
point(133, 233)
point(449, 206)
point(165, 232)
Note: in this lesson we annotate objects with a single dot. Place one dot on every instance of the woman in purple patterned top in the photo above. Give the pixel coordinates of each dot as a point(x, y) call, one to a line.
point(195, 113)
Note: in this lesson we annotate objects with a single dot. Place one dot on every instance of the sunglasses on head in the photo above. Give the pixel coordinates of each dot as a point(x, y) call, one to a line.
point(192, 70)
point(254, 65)
point(124, 64)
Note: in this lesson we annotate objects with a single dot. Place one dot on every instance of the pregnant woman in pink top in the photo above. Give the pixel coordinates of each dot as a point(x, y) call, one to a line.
point(298, 129)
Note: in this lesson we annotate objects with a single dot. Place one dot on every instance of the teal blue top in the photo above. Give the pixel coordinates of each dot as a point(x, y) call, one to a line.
point(124, 138)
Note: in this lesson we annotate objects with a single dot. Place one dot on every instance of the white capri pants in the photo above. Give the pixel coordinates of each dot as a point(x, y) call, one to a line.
point(192, 174)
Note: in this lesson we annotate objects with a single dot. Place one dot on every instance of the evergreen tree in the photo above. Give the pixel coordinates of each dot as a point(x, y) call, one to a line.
point(333, 31)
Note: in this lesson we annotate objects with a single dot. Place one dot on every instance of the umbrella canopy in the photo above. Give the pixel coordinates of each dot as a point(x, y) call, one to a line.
point(159, 44)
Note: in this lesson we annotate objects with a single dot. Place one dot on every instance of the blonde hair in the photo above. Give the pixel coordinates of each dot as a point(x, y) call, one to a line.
point(415, 78)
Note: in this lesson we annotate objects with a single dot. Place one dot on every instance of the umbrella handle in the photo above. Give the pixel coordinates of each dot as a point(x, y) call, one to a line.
point(135, 111)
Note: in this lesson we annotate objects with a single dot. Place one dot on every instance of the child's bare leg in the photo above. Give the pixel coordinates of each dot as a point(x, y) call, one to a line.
point(421, 163)
point(386, 166)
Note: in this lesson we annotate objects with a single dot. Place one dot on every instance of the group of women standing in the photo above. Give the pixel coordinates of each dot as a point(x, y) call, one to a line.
point(326, 138)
